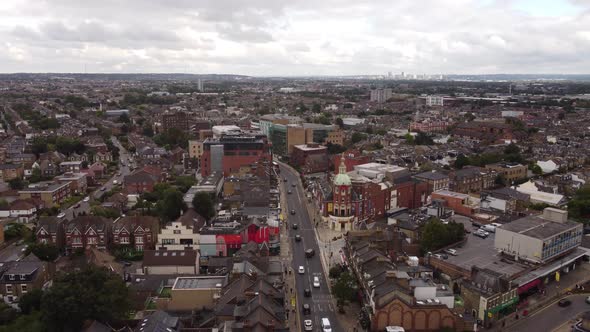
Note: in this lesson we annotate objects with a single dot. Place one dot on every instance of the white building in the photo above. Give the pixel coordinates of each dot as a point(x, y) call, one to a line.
point(381, 95)
point(434, 101)
point(183, 233)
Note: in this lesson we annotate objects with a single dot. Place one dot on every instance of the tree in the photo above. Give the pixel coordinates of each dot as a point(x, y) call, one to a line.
point(147, 131)
point(183, 183)
point(16, 183)
point(171, 206)
point(316, 108)
point(461, 161)
point(124, 118)
point(30, 301)
point(204, 205)
point(511, 149)
point(344, 289)
point(92, 293)
point(45, 252)
point(339, 122)
point(579, 206)
point(500, 180)
point(436, 235)
point(335, 148)
point(536, 169)
point(357, 137)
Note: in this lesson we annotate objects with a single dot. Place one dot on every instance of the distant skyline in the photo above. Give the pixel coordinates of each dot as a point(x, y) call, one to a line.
point(296, 38)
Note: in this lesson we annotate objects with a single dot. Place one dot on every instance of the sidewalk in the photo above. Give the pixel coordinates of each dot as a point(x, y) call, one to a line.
point(291, 307)
point(553, 292)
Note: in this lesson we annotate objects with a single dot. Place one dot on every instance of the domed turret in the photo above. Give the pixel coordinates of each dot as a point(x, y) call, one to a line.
point(342, 179)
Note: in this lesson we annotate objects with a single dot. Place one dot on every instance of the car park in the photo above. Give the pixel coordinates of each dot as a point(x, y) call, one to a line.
point(301, 270)
point(307, 325)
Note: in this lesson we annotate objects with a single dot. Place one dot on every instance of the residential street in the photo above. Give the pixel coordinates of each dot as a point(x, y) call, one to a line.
point(320, 301)
point(551, 317)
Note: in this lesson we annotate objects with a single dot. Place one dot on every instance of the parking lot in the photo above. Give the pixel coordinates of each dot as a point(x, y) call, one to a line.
point(481, 253)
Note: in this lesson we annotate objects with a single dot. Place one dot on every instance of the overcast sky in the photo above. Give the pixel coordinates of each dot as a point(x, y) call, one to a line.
point(296, 37)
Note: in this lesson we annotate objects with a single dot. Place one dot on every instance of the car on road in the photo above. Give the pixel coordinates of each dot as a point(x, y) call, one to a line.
point(307, 325)
point(119, 174)
point(306, 309)
point(289, 192)
point(451, 252)
point(295, 226)
point(284, 179)
point(86, 199)
point(115, 182)
point(292, 211)
point(307, 292)
point(316, 282)
point(326, 327)
point(103, 189)
point(77, 206)
point(301, 270)
point(564, 302)
point(61, 215)
point(309, 253)
point(293, 185)
point(588, 300)
point(297, 238)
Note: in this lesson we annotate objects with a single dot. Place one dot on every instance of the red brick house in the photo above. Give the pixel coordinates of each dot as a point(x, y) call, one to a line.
point(139, 182)
point(50, 230)
point(86, 232)
point(138, 231)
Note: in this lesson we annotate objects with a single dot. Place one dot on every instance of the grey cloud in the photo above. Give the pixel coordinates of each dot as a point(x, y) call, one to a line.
point(240, 33)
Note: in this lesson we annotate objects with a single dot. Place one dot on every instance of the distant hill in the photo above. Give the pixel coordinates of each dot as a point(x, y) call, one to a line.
point(121, 77)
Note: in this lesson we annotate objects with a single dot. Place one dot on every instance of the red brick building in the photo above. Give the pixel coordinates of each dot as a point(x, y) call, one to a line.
point(139, 182)
point(462, 204)
point(230, 152)
point(87, 232)
point(50, 230)
point(138, 231)
point(303, 154)
point(413, 194)
point(351, 158)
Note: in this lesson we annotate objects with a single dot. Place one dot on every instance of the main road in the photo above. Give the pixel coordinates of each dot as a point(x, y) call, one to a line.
point(320, 301)
point(124, 169)
point(552, 316)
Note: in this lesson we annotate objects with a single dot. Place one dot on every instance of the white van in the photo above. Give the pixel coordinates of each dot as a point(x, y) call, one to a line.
point(394, 329)
point(326, 327)
point(489, 228)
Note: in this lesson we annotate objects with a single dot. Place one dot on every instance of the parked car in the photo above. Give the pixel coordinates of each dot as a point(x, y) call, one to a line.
point(588, 300)
point(77, 206)
point(61, 215)
point(475, 224)
point(103, 189)
point(564, 302)
point(86, 199)
point(480, 233)
point(451, 252)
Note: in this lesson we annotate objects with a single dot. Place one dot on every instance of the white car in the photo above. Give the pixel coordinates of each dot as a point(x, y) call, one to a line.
point(451, 252)
point(301, 270)
point(307, 325)
point(316, 282)
point(86, 199)
point(61, 215)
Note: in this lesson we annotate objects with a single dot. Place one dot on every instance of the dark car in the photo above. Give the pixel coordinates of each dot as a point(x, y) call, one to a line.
point(309, 253)
point(564, 302)
point(307, 292)
point(475, 224)
point(293, 185)
point(306, 309)
point(295, 226)
point(285, 180)
point(297, 238)
point(292, 211)
point(289, 192)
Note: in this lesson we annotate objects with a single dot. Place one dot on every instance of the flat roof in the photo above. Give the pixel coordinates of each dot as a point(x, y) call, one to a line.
point(306, 147)
point(451, 194)
point(199, 282)
point(481, 253)
point(539, 228)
